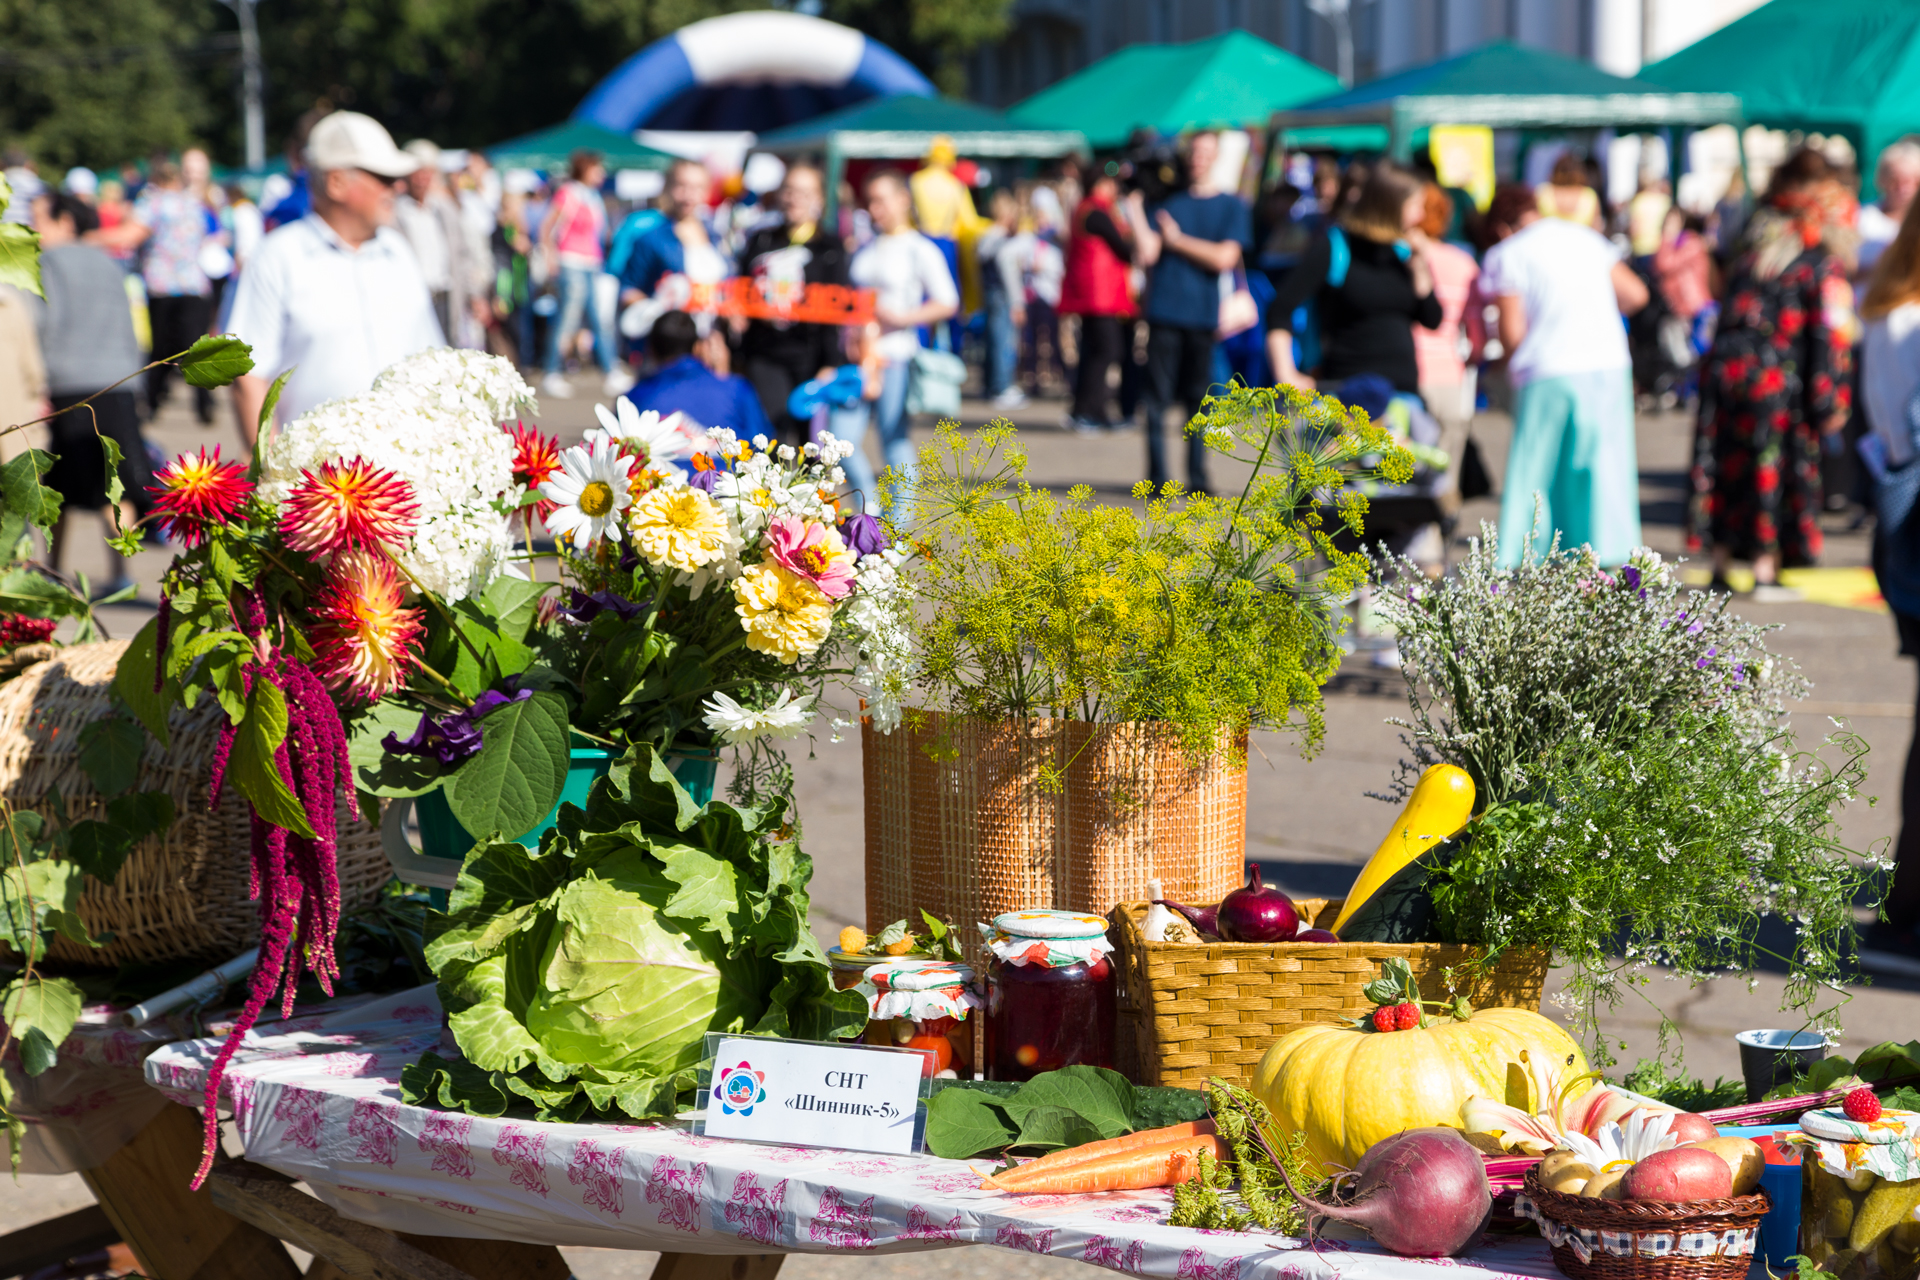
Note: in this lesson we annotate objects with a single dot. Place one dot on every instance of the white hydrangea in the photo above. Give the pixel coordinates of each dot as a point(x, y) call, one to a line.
point(434, 420)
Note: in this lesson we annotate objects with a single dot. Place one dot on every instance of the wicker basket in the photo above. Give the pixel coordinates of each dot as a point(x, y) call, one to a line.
point(971, 818)
point(1189, 1011)
point(177, 897)
point(1595, 1239)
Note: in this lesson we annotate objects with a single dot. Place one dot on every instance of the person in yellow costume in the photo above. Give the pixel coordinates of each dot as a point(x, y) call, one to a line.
point(943, 210)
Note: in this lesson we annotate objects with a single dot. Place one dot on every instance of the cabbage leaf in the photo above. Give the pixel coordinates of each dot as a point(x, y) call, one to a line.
point(580, 978)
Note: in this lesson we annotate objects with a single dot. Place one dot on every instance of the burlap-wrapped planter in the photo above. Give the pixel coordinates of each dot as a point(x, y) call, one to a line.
point(970, 818)
point(177, 897)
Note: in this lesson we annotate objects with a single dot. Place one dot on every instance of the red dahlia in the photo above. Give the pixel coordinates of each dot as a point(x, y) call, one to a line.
point(364, 638)
point(536, 457)
point(197, 492)
point(348, 504)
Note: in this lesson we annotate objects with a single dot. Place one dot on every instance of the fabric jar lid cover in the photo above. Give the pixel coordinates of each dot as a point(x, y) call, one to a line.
point(918, 975)
point(1050, 924)
point(1831, 1124)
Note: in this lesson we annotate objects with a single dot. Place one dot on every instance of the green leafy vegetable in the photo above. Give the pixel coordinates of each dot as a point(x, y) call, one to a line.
point(1064, 1108)
point(581, 978)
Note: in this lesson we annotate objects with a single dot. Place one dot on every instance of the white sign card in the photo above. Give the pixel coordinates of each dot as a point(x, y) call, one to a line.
point(805, 1093)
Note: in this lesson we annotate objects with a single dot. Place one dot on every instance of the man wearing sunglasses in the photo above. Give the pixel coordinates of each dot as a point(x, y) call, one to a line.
point(338, 295)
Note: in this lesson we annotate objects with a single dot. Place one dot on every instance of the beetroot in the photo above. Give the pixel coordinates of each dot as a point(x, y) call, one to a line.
point(1422, 1193)
point(1255, 913)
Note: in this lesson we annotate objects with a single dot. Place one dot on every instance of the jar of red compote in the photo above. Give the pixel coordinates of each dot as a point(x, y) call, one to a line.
point(1050, 993)
point(923, 1004)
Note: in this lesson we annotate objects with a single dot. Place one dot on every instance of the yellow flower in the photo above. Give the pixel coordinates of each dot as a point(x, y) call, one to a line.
point(681, 528)
point(784, 614)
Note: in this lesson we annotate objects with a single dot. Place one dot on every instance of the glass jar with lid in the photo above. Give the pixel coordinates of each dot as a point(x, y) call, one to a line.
point(1859, 1192)
point(1050, 993)
point(923, 1004)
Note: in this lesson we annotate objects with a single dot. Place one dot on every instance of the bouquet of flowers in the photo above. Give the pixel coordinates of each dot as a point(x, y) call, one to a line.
point(361, 610)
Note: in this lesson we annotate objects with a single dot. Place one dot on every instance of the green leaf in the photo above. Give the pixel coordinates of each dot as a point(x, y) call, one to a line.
point(515, 779)
point(20, 258)
point(99, 849)
point(214, 361)
point(891, 934)
point(1050, 1128)
point(116, 487)
point(22, 491)
point(251, 766)
point(110, 752)
point(493, 1038)
point(512, 604)
point(1103, 1098)
point(962, 1123)
point(272, 402)
point(142, 814)
point(37, 1051)
point(50, 1005)
point(709, 892)
point(378, 771)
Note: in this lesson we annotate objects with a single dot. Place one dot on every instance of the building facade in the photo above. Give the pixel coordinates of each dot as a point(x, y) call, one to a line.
point(1052, 39)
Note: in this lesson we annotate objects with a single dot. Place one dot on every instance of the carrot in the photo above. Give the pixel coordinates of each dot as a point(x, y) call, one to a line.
point(1162, 1164)
point(1016, 1178)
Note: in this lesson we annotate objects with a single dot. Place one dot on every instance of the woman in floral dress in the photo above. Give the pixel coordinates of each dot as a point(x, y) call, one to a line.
point(1779, 378)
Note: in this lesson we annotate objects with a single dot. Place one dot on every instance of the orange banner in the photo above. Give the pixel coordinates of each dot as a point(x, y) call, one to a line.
point(801, 304)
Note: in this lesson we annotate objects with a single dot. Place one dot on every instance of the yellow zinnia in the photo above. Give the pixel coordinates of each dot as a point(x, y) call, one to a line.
point(784, 614)
point(682, 528)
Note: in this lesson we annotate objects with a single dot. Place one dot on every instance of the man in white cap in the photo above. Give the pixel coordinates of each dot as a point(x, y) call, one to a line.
point(336, 296)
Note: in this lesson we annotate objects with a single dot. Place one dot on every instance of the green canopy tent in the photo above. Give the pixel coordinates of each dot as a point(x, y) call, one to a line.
point(1850, 67)
point(1507, 86)
point(902, 127)
point(549, 149)
point(1234, 80)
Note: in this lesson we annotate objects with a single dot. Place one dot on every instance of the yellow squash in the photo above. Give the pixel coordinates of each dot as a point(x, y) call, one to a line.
point(1346, 1088)
point(1439, 807)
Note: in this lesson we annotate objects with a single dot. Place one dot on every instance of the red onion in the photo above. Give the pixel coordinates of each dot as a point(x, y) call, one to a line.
point(1204, 919)
point(1255, 913)
point(1314, 935)
point(1422, 1193)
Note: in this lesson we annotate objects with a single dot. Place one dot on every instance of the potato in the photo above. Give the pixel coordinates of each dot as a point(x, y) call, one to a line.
point(1682, 1174)
point(1744, 1160)
point(1607, 1186)
point(1556, 1160)
point(1569, 1178)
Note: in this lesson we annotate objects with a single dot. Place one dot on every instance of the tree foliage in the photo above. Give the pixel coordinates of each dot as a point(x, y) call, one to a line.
point(462, 72)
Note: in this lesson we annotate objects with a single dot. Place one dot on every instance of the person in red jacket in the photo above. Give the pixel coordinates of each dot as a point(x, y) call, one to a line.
point(1096, 288)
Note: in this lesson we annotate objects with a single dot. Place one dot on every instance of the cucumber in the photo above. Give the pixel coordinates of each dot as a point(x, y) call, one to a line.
point(1887, 1206)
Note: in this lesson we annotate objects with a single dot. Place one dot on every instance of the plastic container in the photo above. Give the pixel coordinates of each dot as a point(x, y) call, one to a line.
point(1780, 1229)
point(1772, 1058)
point(923, 1004)
point(1860, 1187)
point(1050, 993)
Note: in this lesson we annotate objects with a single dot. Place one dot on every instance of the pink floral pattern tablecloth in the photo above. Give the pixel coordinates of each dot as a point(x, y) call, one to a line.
point(318, 1099)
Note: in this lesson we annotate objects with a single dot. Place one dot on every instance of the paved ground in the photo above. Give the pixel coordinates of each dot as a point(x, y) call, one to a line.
point(1311, 818)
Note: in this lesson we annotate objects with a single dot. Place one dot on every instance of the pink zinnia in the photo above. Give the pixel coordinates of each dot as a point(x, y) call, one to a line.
point(814, 552)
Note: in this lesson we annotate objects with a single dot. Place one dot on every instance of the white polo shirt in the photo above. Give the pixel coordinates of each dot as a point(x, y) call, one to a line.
point(334, 314)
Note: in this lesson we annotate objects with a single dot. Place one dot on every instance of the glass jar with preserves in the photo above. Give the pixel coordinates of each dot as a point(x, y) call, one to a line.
point(1050, 993)
point(1859, 1192)
point(923, 1004)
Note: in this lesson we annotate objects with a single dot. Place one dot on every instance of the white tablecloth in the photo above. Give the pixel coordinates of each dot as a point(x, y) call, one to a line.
point(318, 1100)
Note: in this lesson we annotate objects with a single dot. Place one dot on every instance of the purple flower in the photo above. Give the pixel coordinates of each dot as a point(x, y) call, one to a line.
point(1705, 662)
point(454, 737)
point(585, 608)
point(863, 534)
point(1631, 576)
point(704, 480)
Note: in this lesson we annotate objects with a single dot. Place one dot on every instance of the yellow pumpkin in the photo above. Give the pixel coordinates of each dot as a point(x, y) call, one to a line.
point(1346, 1088)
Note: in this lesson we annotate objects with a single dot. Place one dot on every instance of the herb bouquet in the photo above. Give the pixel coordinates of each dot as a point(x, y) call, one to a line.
point(360, 609)
point(1642, 805)
point(1093, 670)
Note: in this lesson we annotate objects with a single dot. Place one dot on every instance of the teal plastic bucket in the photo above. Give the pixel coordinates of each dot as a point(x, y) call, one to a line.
point(442, 836)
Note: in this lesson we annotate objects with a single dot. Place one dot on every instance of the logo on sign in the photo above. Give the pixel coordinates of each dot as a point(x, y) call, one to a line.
point(740, 1089)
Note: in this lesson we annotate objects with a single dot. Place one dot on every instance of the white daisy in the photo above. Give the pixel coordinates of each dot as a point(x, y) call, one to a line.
point(788, 717)
point(654, 438)
point(1615, 1145)
point(592, 490)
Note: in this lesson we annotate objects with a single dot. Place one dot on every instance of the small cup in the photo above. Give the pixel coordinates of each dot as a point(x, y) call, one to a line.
point(1771, 1058)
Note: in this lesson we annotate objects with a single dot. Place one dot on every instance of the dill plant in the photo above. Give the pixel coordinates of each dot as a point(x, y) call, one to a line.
point(1642, 805)
point(1211, 613)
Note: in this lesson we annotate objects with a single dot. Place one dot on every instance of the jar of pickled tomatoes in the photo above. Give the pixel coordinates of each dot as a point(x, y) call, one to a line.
point(1050, 993)
point(923, 1004)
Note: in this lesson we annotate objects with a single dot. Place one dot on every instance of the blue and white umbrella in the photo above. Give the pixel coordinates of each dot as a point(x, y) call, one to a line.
point(748, 71)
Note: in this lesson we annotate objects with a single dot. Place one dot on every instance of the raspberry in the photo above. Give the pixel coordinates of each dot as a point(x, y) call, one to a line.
point(1406, 1016)
point(1861, 1106)
point(1383, 1018)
